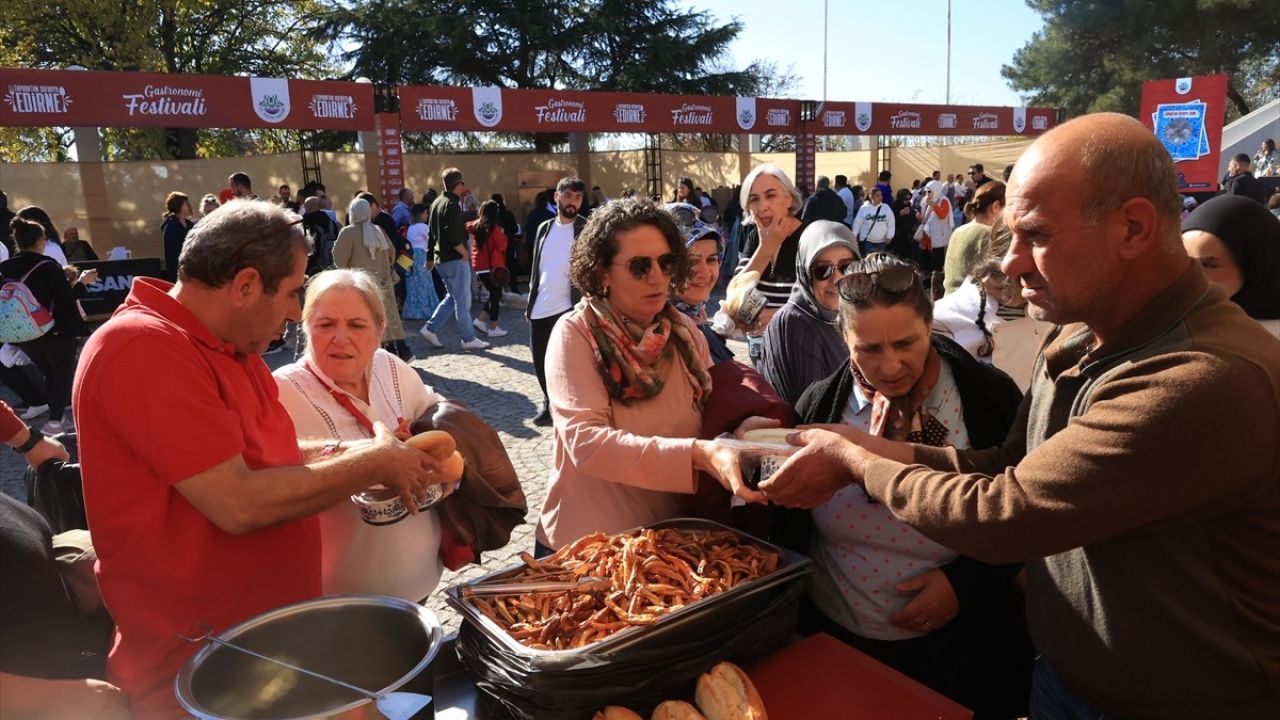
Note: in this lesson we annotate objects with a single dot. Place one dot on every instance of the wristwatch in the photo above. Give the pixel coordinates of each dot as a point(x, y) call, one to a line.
point(34, 438)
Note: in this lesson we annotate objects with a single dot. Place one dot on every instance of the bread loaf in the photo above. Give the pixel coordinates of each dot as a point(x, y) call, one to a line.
point(613, 712)
point(436, 443)
point(726, 693)
point(676, 710)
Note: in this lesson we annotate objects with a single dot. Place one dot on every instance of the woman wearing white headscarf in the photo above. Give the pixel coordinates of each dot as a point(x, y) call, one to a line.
point(363, 245)
point(936, 215)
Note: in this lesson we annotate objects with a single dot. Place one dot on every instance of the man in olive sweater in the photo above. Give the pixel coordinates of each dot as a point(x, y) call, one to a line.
point(1141, 482)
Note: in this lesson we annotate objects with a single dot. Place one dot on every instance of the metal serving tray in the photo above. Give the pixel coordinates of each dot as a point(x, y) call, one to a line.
point(792, 566)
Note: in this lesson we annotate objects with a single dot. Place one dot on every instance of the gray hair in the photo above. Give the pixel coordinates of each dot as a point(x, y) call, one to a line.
point(361, 281)
point(243, 234)
point(797, 202)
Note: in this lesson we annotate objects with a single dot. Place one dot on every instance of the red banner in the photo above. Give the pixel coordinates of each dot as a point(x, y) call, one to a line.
point(391, 155)
point(1186, 114)
point(91, 98)
point(876, 118)
point(440, 109)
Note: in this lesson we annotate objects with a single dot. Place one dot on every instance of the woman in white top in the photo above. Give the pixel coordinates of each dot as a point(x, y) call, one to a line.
point(341, 386)
point(935, 214)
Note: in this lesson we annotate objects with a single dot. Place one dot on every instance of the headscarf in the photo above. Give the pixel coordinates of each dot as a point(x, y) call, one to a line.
point(820, 235)
point(692, 229)
point(937, 188)
point(374, 239)
point(632, 366)
point(906, 418)
point(1253, 236)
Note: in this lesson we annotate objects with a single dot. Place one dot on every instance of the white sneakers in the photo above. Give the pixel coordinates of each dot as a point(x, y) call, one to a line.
point(476, 344)
point(430, 337)
point(34, 411)
point(481, 327)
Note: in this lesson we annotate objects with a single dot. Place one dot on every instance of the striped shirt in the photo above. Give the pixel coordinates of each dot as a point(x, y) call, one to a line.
point(780, 275)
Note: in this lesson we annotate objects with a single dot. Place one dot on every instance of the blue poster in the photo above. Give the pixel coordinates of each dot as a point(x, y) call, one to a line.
point(1180, 128)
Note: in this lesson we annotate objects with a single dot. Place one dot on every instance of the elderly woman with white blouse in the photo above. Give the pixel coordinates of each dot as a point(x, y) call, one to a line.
point(342, 385)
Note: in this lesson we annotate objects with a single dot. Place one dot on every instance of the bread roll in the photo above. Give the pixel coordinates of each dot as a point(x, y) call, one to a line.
point(613, 712)
point(726, 693)
point(436, 443)
point(452, 468)
point(676, 710)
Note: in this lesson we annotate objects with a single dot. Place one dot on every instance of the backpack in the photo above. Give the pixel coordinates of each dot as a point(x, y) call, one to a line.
point(22, 317)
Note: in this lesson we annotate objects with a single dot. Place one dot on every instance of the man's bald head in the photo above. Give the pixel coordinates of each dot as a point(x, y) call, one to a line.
point(1114, 158)
point(311, 205)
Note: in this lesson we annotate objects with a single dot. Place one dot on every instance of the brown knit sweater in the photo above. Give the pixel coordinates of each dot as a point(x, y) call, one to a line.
point(1142, 485)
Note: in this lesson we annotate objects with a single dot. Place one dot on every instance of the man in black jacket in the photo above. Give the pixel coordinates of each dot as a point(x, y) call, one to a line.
point(824, 204)
point(551, 294)
point(447, 252)
point(1240, 180)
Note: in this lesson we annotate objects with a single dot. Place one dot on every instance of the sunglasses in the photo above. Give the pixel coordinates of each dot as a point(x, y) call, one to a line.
point(641, 266)
point(857, 287)
point(824, 272)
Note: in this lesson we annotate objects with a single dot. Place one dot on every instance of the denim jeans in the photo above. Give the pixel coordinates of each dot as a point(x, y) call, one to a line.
point(1051, 699)
point(456, 275)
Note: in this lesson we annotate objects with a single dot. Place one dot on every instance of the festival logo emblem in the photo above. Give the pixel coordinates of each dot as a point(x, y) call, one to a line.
point(862, 116)
point(629, 113)
point(693, 114)
point(986, 121)
point(778, 117)
point(1182, 86)
point(746, 112)
point(167, 101)
point(37, 99)
point(834, 119)
point(486, 104)
point(1180, 128)
point(905, 120)
point(561, 111)
point(270, 98)
point(947, 121)
point(333, 106)
point(1019, 119)
point(437, 109)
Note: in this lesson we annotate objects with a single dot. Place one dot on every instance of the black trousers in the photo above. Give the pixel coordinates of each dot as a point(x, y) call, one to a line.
point(55, 355)
point(25, 381)
point(539, 337)
point(495, 295)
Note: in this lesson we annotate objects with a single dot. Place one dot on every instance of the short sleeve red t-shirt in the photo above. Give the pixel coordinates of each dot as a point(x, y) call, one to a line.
point(158, 398)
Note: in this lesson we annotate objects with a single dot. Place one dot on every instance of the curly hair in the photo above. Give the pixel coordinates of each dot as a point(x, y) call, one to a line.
point(597, 246)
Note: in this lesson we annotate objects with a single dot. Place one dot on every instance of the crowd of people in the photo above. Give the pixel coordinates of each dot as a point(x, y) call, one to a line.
point(1032, 421)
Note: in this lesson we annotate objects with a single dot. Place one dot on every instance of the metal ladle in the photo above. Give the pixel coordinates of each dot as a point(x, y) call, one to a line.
point(392, 705)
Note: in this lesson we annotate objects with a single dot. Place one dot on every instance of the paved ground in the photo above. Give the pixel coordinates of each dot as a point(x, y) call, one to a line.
point(498, 384)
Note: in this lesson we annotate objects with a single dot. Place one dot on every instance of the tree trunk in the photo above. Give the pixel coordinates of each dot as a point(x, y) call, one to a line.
point(180, 143)
point(1238, 100)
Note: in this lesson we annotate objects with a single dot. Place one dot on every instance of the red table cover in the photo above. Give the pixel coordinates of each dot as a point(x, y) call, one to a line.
point(821, 677)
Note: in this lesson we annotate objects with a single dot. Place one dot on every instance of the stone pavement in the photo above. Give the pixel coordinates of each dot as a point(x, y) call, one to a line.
point(498, 384)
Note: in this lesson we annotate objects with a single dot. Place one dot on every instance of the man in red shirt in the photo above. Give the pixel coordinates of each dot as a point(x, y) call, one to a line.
point(200, 497)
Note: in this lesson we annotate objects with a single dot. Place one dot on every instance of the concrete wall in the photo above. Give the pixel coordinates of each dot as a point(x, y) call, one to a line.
point(133, 200)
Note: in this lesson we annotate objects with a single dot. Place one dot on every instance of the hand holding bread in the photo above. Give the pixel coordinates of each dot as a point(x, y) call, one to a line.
point(441, 446)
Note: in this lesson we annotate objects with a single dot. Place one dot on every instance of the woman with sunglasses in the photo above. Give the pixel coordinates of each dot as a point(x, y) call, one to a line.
point(705, 248)
point(987, 315)
point(950, 622)
point(801, 344)
point(627, 380)
point(936, 216)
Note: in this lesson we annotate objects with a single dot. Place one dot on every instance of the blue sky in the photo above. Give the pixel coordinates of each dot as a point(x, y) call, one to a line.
point(886, 50)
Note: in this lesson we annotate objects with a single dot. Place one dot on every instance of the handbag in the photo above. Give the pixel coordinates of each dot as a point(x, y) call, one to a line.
point(919, 233)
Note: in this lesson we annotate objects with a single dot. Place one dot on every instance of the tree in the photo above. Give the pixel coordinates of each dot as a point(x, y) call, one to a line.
point(216, 37)
point(618, 45)
point(1094, 56)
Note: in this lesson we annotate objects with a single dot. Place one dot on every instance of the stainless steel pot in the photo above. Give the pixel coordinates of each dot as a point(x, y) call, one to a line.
point(374, 642)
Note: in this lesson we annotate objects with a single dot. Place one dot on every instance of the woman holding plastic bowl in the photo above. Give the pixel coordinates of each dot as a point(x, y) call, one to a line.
point(342, 385)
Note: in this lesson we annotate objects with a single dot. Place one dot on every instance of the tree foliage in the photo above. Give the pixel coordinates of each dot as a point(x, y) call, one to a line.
point(215, 37)
point(1094, 56)
point(618, 45)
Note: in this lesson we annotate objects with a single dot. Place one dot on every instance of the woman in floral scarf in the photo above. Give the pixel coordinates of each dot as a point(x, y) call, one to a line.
point(627, 379)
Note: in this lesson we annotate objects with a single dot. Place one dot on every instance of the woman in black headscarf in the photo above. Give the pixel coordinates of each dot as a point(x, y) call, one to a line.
point(1237, 241)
